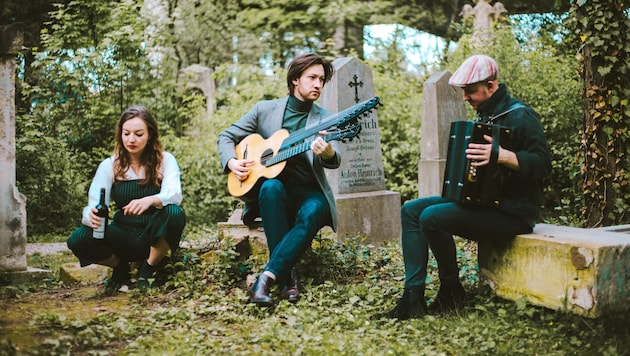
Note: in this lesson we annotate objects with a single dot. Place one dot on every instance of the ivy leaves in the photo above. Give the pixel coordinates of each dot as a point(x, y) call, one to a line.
point(602, 28)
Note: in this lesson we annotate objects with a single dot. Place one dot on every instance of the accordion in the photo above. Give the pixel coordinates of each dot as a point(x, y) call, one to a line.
point(466, 183)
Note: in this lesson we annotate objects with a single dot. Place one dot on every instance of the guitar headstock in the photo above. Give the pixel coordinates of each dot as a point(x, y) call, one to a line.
point(348, 131)
point(353, 113)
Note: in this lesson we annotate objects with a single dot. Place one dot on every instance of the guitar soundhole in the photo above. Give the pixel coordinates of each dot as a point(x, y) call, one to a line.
point(266, 155)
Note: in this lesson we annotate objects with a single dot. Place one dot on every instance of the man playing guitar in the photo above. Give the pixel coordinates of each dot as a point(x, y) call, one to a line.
point(298, 202)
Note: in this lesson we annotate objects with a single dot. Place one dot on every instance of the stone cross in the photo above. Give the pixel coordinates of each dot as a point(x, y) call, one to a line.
point(356, 86)
point(482, 12)
point(12, 203)
point(363, 205)
point(442, 105)
point(484, 15)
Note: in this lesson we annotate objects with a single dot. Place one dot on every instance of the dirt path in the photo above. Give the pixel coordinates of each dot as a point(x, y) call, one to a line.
point(46, 248)
point(20, 313)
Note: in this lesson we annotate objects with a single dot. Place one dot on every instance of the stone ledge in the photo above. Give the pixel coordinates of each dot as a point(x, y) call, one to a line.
point(584, 271)
point(29, 276)
point(239, 233)
point(72, 273)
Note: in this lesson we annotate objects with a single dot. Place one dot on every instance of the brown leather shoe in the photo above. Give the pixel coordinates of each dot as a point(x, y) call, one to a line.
point(291, 292)
point(259, 294)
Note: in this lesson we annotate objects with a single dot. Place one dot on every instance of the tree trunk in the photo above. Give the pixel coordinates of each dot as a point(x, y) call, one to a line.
point(600, 157)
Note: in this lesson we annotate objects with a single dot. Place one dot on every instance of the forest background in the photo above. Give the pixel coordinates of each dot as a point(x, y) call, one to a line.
point(85, 61)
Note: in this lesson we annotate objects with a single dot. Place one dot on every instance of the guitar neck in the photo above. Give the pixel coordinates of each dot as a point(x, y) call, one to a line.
point(286, 153)
point(339, 118)
point(303, 134)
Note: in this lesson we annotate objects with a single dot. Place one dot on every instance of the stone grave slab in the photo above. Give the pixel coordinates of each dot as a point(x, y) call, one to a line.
point(584, 271)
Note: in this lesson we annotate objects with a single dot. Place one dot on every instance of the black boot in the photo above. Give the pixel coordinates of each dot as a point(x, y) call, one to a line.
point(121, 275)
point(146, 276)
point(450, 298)
point(417, 303)
point(259, 294)
point(411, 305)
point(291, 291)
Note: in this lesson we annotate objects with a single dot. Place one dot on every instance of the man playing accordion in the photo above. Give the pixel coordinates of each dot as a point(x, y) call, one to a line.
point(432, 222)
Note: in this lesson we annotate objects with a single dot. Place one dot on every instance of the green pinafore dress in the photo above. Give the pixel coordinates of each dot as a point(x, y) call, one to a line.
point(130, 236)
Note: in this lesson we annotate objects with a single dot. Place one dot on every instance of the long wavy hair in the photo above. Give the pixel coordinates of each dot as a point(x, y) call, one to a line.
point(151, 158)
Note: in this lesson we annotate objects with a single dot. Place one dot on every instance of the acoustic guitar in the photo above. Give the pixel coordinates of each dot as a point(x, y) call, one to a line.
point(270, 155)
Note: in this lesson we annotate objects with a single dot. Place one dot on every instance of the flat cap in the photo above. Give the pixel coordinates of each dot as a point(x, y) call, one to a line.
point(474, 69)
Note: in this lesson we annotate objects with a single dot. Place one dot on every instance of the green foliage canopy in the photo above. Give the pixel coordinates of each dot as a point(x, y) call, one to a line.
point(80, 84)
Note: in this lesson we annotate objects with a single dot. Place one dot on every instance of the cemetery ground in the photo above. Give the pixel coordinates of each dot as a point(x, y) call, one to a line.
point(200, 309)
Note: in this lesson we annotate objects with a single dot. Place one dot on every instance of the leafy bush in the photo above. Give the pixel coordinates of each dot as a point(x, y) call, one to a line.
point(399, 123)
point(52, 177)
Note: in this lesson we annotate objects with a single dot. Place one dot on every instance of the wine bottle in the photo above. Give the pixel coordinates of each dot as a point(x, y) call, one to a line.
point(103, 213)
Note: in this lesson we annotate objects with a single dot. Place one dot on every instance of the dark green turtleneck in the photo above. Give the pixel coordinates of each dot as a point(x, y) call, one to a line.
point(296, 113)
point(298, 171)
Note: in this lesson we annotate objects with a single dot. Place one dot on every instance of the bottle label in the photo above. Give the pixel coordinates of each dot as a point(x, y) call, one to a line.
point(99, 232)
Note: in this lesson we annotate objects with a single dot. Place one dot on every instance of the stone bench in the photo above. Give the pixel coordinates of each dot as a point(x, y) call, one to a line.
point(584, 271)
point(236, 230)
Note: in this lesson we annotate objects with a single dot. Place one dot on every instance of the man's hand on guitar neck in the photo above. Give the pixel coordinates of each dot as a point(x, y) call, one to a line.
point(240, 167)
point(322, 148)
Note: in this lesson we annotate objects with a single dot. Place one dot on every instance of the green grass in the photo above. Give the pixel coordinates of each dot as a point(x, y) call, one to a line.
point(201, 310)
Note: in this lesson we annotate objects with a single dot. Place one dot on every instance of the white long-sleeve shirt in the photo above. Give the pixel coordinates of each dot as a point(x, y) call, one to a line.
point(170, 191)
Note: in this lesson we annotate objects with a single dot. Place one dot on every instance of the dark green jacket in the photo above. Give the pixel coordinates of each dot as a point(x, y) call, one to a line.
point(522, 191)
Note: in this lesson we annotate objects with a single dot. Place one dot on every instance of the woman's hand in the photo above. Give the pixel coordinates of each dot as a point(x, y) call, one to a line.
point(139, 206)
point(94, 220)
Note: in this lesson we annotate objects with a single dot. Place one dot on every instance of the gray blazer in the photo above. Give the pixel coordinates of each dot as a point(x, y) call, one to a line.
point(265, 118)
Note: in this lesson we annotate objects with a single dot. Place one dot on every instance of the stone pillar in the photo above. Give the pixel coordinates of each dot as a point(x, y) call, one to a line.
point(442, 105)
point(363, 205)
point(12, 203)
point(197, 78)
point(200, 77)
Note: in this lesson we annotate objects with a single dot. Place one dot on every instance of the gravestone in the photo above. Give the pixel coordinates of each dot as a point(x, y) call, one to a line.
point(364, 206)
point(12, 203)
point(442, 105)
